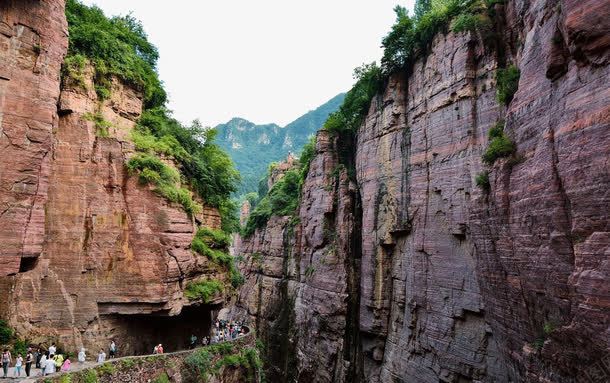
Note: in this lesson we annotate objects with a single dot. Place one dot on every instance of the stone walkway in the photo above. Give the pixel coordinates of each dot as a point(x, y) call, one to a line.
point(36, 373)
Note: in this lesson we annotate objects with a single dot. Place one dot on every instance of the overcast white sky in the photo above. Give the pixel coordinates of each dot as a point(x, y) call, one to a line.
point(263, 60)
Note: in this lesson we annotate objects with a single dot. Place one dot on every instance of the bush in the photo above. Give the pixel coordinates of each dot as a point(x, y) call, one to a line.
point(258, 217)
point(151, 170)
point(101, 125)
point(90, 376)
point(470, 22)
point(106, 369)
point(282, 200)
point(507, 83)
point(204, 290)
point(6, 332)
point(73, 70)
point(20, 347)
point(497, 130)
point(498, 147)
point(482, 180)
point(208, 170)
point(214, 238)
point(198, 365)
point(162, 378)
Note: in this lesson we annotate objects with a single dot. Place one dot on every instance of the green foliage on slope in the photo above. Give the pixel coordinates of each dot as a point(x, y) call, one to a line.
point(282, 200)
point(214, 245)
point(507, 82)
point(204, 290)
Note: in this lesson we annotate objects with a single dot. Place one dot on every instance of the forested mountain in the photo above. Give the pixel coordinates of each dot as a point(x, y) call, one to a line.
point(253, 147)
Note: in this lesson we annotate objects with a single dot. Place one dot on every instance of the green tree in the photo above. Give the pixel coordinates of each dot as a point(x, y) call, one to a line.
point(421, 8)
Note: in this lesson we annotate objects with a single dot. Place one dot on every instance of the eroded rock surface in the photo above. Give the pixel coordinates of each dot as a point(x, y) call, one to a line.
point(33, 41)
point(430, 278)
point(85, 247)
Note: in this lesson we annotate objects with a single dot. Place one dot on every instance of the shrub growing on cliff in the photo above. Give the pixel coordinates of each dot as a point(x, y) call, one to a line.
point(204, 290)
point(470, 22)
point(72, 70)
point(151, 170)
point(198, 365)
point(307, 154)
point(410, 37)
point(499, 146)
point(6, 332)
point(507, 83)
point(356, 104)
point(101, 125)
point(282, 200)
point(482, 180)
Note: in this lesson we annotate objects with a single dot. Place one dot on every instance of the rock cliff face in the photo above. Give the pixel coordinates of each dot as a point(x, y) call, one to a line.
point(33, 41)
point(412, 273)
point(87, 253)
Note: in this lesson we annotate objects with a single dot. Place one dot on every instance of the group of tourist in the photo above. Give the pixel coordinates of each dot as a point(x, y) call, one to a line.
point(52, 361)
point(48, 362)
point(223, 330)
point(227, 330)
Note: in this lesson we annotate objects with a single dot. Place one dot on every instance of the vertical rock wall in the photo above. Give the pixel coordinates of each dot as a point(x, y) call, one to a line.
point(33, 41)
point(454, 283)
point(84, 247)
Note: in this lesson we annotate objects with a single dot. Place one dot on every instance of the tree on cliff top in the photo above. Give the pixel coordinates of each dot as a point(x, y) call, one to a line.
point(116, 46)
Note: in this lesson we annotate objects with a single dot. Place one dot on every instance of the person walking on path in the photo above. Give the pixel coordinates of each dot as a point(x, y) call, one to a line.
point(6, 361)
point(37, 356)
point(29, 358)
point(43, 363)
point(52, 350)
point(101, 357)
point(193, 341)
point(82, 356)
point(49, 366)
point(66, 366)
point(160, 349)
point(112, 350)
point(18, 365)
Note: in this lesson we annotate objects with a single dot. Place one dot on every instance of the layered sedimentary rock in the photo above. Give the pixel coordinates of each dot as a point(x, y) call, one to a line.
point(33, 41)
point(91, 253)
point(412, 273)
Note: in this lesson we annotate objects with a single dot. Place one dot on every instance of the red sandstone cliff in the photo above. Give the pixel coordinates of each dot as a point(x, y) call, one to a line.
point(415, 274)
point(86, 252)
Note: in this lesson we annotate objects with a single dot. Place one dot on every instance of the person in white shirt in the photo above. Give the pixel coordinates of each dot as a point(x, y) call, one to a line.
point(52, 350)
point(101, 357)
point(82, 356)
point(50, 366)
point(43, 363)
point(18, 364)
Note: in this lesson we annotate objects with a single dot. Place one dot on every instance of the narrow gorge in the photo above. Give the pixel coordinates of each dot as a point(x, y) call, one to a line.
point(456, 231)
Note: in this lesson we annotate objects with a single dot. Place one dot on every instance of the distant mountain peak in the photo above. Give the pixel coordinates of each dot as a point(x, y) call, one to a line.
point(254, 146)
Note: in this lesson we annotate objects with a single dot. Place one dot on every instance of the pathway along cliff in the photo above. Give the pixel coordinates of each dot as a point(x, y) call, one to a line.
point(450, 224)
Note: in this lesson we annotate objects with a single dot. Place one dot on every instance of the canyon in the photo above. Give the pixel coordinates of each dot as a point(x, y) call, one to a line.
point(396, 267)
